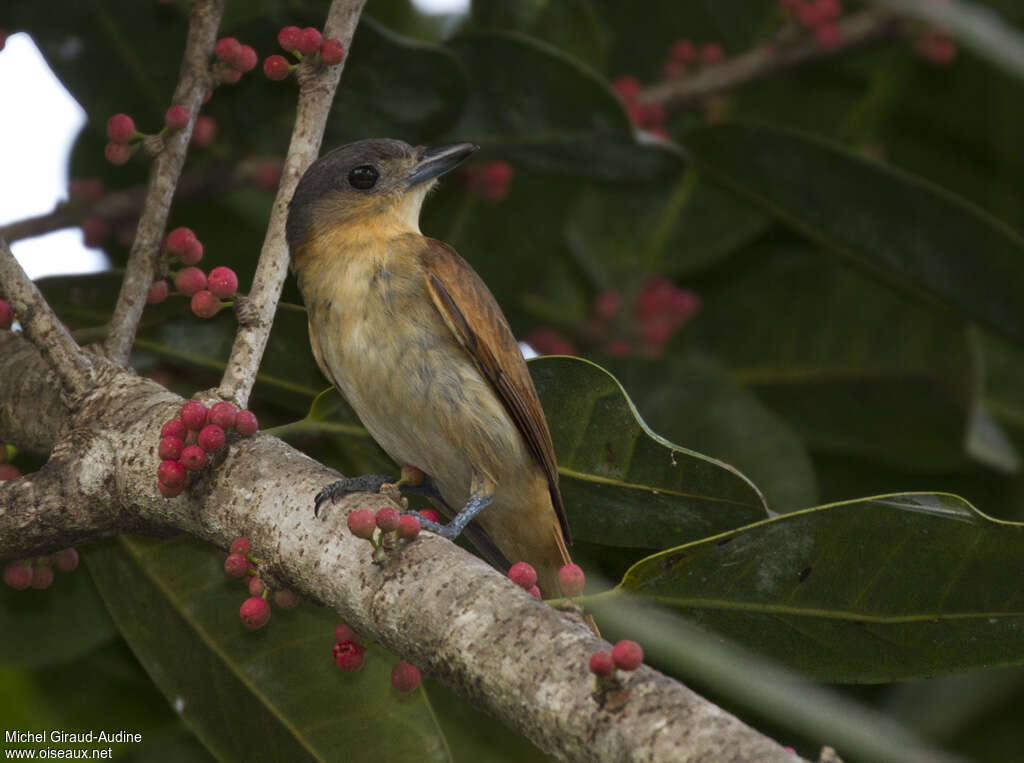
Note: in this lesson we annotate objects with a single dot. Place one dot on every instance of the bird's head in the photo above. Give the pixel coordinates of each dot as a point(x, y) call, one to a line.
point(377, 182)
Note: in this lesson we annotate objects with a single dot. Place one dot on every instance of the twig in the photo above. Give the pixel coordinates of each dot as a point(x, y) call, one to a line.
point(317, 88)
point(41, 325)
point(193, 83)
point(765, 60)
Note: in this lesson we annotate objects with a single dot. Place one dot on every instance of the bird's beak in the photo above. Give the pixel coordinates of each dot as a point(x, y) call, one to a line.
point(434, 162)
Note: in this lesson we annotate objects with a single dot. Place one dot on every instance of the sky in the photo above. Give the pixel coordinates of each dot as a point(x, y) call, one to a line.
point(35, 147)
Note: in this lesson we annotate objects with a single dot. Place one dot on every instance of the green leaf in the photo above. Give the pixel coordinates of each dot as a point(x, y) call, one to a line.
point(268, 694)
point(623, 484)
point(879, 589)
point(913, 233)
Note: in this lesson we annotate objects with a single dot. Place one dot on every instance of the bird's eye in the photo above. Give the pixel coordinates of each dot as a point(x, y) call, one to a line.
point(363, 177)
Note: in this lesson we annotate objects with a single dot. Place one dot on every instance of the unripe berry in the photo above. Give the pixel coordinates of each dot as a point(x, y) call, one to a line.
point(254, 612)
point(176, 118)
point(571, 580)
point(193, 458)
point(167, 491)
point(276, 67)
point(211, 438)
point(256, 586)
point(430, 514)
point(345, 633)
point(6, 314)
point(95, 230)
point(362, 523)
point(349, 656)
point(226, 49)
point(288, 38)
point(408, 527)
point(222, 282)
point(240, 546)
point(286, 599)
point(9, 472)
point(18, 575)
point(405, 677)
point(171, 473)
point(174, 428)
point(120, 128)
point(602, 664)
point(117, 153)
point(66, 560)
point(523, 575)
point(190, 281)
point(332, 52)
point(42, 576)
point(170, 448)
point(387, 519)
point(194, 415)
point(246, 59)
point(246, 423)
point(204, 304)
point(309, 41)
point(236, 566)
point(534, 591)
point(627, 655)
point(412, 475)
point(158, 292)
point(205, 131)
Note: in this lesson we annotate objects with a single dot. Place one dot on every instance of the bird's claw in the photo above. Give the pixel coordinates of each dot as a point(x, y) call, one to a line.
point(367, 483)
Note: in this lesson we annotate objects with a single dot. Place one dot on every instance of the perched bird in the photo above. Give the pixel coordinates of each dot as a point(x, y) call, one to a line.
point(415, 342)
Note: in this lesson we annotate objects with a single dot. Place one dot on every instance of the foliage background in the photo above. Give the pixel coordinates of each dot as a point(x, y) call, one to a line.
point(852, 231)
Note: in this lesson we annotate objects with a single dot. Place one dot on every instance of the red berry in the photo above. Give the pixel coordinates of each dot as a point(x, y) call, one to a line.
point(204, 131)
point(412, 475)
point(332, 52)
point(362, 523)
point(120, 128)
point(176, 118)
point(240, 546)
point(95, 231)
point(286, 599)
point(222, 282)
point(254, 612)
point(828, 35)
point(223, 415)
point(711, 53)
point(408, 527)
point(6, 314)
point(168, 491)
point(194, 415)
point(171, 473)
point(523, 575)
point(246, 423)
point(193, 252)
point(657, 330)
point(571, 580)
point(349, 656)
point(276, 67)
point(430, 514)
point(179, 240)
point(174, 428)
point(246, 59)
point(18, 575)
point(830, 10)
point(66, 560)
point(549, 342)
point(158, 292)
point(9, 472)
point(229, 76)
point(204, 304)
point(211, 438)
point(193, 458)
point(309, 41)
point(266, 174)
point(236, 566)
point(345, 633)
point(387, 519)
point(117, 153)
point(86, 189)
point(627, 86)
point(190, 281)
point(42, 576)
point(288, 38)
point(405, 677)
point(607, 304)
point(534, 591)
point(226, 49)
point(256, 586)
point(170, 448)
point(627, 655)
point(683, 51)
point(602, 664)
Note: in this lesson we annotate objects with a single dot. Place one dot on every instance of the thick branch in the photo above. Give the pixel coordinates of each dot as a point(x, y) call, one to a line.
point(318, 85)
point(763, 61)
point(42, 326)
point(193, 83)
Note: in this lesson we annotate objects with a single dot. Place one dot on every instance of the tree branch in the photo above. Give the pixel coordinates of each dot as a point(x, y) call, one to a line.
point(193, 83)
point(765, 60)
point(317, 87)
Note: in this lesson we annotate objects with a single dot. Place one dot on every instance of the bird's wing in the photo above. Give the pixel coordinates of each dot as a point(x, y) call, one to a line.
point(471, 312)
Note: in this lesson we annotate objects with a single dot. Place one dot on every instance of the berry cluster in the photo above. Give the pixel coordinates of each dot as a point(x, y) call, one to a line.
point(350, 655)
point(818, 17)
point(39, 572)
point(489, 180)
point(187, 440)
point(255, 611)
point(625, 655)
point(651, 117)
point(685, 55)
point(364, 524)
point(206, 291)
point(233, 59)
point(302, 44)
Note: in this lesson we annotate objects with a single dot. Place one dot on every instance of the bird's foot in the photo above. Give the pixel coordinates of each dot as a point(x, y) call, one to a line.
point(367, 483)
point(454, 529)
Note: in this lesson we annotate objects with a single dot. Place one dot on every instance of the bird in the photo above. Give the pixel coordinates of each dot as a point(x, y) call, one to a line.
point(413, 339)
